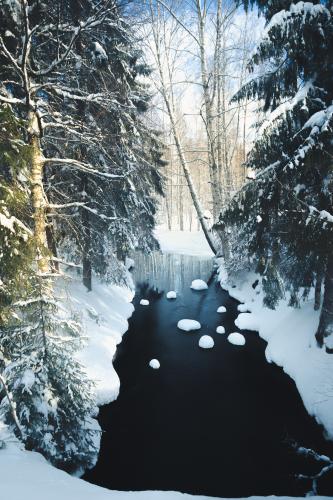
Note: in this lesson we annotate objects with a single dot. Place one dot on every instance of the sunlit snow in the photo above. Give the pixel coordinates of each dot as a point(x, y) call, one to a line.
point(188, 324)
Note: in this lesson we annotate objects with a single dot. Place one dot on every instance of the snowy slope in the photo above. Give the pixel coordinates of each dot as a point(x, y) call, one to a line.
point(291, 344)
point(104, 312)
point(183, 242)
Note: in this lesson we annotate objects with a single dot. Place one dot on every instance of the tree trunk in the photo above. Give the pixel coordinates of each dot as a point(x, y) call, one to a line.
point(213, 167)
point(194, 196)
point(37, 194)
point(325, 327)
point(86, 258)
point(319, 282)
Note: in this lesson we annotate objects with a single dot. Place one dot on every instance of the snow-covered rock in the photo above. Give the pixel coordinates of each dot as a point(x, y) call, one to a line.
point(206, 342)
point(199, 285)
point(144, 302)
point(171, 295)
point(188, 325)
point(221, 309)
point(220, 329)
point(155, 364)
point(236, 338)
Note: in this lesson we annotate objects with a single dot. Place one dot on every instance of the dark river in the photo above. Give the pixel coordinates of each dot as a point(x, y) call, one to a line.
point(216, 422)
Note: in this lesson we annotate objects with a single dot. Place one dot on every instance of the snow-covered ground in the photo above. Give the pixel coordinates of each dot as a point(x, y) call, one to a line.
point(104, 313)
point(290, 334)
point(183, 242)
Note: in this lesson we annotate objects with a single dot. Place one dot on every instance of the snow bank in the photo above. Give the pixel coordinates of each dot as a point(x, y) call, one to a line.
point(188, 325)
point(155, 364)
point(199, 285)
point(206, 342)
point(183, 242)
point(104, 312)
point(291, 344)
point(171, 295)
point(144, 302)
point(221, 309)
point(236, 338)
point(220, 329)
point(26, 475)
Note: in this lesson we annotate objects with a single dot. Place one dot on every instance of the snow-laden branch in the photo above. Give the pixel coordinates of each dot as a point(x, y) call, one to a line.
point(83, 167)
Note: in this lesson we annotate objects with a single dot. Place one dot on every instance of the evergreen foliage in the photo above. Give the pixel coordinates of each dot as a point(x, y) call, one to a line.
point(284, 217)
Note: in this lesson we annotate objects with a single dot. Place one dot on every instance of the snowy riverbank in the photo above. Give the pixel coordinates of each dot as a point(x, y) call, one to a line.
point(27, 476)
point(289, 333)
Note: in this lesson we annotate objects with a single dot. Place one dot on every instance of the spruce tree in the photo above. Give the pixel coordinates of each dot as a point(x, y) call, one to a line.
point(284, 216)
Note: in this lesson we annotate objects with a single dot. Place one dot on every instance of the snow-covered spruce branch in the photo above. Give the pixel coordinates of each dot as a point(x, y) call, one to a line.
point(12, 408)
point(83, 167)
point(92, 22)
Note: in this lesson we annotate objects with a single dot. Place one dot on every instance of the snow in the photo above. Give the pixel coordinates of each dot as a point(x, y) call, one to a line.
point(220, 329)
point(26, 475)
point(236, 338)
point(243, 308)
point(221, 309)
point(291, 344)
point(144, 302)
point(104, 312)
point(171, 295)
point(183, 242)
point(206, 342)
point(199, 285)
point(155, 364)
point(188, 325)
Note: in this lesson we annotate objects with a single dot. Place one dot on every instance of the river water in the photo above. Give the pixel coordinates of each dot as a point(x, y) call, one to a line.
point(216, 422)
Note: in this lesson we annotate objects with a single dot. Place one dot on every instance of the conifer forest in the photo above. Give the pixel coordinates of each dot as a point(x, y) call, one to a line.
point(166, 249)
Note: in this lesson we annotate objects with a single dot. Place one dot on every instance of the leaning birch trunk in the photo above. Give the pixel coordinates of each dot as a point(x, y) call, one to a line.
point(168, 100)
point(325, 327)
point(37, 194)
point(182, 159)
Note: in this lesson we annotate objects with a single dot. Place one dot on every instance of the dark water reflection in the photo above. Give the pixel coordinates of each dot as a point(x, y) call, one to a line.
point(170, 272)
point(211, 422)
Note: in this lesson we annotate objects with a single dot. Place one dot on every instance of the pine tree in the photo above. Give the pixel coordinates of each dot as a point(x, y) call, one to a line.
point(284, 215)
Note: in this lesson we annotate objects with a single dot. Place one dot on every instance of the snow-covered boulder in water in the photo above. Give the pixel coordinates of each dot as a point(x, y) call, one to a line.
point(171, 295)
point(155, 364)
point(144, 302)
point(188, 325)
point(220, 329)
point(199, 285)
point(236, 338)
point(206, 342)
point(221, 309)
